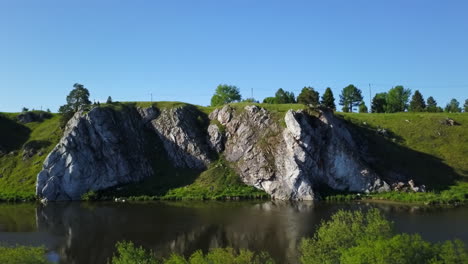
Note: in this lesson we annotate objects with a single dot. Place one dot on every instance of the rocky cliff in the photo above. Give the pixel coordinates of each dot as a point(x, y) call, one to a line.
point(290, 157)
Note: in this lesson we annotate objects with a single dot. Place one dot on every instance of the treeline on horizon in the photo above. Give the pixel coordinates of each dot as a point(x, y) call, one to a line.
point(397, 99)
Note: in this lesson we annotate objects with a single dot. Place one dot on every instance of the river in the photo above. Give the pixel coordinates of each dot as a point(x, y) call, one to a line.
point(85, 233)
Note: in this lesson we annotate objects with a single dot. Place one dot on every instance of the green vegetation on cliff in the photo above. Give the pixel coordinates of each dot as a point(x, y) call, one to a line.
point(422, 145)
point(24, 148)
point(23, 255)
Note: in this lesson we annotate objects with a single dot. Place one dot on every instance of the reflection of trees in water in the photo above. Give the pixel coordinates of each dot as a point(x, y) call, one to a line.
point(88, 233)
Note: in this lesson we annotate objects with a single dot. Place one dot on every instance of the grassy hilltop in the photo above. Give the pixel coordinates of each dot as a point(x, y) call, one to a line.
point(18, 174)
point(416, 143)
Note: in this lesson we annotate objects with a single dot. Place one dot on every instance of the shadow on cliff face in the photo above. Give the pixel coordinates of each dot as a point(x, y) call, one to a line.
point(12, 134)
point(383, 151)
point(166, 175)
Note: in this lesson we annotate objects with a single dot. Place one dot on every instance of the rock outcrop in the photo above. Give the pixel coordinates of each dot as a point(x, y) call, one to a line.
point(99, 149)
point(293, 162)
point(183, 133)
point(289, 156)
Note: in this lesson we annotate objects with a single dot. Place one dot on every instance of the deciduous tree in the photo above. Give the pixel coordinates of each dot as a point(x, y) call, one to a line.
point(379, 103)
point(397, 99)
point(225, 94)
point(363, 107)
point(453, 106)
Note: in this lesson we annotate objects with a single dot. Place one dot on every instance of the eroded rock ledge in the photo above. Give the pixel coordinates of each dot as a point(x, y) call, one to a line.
point(289, 158)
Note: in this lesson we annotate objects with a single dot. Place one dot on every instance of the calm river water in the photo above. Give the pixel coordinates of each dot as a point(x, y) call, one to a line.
point(85, 233)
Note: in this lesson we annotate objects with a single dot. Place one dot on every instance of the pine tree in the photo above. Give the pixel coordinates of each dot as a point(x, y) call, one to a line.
point(431, 105)
point(109, 100)
point(417, 103)
point(465, 106)
point(308, 96)
point(350, 97)
point(328, 100)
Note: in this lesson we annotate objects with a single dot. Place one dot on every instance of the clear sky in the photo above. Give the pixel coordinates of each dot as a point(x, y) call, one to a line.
point(181, 50)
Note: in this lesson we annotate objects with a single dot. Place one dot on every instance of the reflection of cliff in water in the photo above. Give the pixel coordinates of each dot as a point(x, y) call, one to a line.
point(86, 233)
point(89, 233)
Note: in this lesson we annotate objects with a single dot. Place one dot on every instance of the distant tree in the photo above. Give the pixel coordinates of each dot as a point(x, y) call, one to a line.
point(284, 97)
point(109, 100)
point(308, 96)
point(328, 100)
point(48, 110)
point(453, 106)
point(363, 107)
point(465, 106)
point(225, 94)
point(269, 100)
point(397, 99)
point(77, 99)
point(24, 109)
point(250, 100)
point(379, 103)
point(350, 97)
point(431, 105)
point(417, 103)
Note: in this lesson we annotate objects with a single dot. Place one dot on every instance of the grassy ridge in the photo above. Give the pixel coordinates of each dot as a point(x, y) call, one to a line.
point(424, 133)
point(416, 143)
point(419, 145)
point(18, 175)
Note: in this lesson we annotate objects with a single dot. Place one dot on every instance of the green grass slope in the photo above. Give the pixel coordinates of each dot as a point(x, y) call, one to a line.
point(422, 147)
point(18, 175)
point(416, 144)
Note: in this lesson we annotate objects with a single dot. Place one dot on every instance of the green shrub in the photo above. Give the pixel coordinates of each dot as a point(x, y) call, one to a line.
point(403, 248)
point(90, 196)
point(23, 255)
point(128, 253)
point(345, 229)
point(368, 238)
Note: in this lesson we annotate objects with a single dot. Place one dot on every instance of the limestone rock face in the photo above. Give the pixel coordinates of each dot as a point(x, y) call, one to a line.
point(293, 162)
point(184, 137)
point(291, 156)
point(98, 150)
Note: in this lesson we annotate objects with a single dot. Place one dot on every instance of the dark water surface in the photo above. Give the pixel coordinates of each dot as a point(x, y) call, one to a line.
point(85, 233)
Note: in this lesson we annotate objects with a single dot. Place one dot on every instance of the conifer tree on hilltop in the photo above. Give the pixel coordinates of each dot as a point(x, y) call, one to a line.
point(328, 100)
point(308, 96)
point(350, 97)
point(431, 105)
point(417, 103)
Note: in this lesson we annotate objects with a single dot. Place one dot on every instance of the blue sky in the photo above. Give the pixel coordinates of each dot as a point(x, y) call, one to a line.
point(181, 50)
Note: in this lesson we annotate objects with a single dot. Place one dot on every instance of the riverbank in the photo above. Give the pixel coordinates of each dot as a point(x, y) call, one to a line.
point(287, 232)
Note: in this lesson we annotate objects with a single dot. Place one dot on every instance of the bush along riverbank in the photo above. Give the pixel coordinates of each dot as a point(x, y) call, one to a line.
point(454, 195)
point(348, 237)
